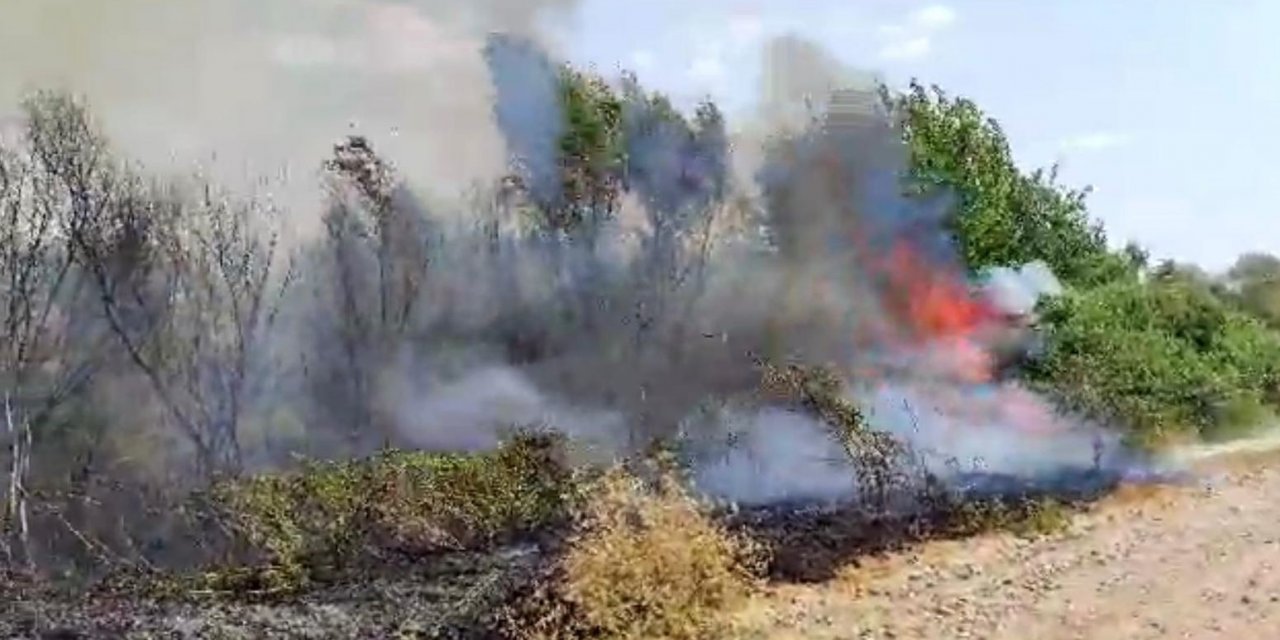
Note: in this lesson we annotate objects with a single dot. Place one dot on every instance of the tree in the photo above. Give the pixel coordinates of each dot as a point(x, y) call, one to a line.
point(183, 283)
point(373, 268)
point(1164, 359)
point(564, 130)
point(1002, 216)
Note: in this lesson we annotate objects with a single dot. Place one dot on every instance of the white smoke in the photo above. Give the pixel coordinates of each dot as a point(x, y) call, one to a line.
point(775, 455)
point(1017, 290)
point(257, 91)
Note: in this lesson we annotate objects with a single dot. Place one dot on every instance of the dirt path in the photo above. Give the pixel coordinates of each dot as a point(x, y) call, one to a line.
point(1191, 562)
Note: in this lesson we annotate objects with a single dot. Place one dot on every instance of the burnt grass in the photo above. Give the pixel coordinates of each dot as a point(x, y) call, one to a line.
point(811, 542)
point(465, 594)
point(453, 595)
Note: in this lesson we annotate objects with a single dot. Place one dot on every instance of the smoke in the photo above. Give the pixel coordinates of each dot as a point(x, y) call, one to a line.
point(620, 336)
point(528, 110)
point(1017, 290)
point(256, 91)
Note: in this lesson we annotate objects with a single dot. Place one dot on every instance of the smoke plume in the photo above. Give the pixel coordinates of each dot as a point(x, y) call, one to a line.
point(256, 91)
point(621, 340)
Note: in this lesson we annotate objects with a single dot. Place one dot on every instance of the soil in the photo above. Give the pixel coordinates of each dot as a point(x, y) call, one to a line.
point(1194, 561)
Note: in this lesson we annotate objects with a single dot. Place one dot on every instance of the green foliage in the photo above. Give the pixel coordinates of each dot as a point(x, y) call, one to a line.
point(591, 152)
point(1183, 355)
point(1003, 216)
point(327, 515)
point(1254, 284)
point(1167, 359)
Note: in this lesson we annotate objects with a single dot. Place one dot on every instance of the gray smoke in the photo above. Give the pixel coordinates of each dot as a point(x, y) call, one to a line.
point(626, 334)
point(257, 90)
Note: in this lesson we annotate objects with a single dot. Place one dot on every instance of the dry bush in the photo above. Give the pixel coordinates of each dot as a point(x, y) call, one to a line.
point(646, 562)
point(883, 463)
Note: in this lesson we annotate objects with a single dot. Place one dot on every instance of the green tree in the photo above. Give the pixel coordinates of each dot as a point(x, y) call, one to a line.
point(591, 152)
point(1002, 215)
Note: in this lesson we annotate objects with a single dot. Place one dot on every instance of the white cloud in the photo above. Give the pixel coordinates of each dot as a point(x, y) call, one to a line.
point(719, 47)
point(707, 68)
point(910, 49)
point(1095, 141)
point(934, 17)
point(913, 39)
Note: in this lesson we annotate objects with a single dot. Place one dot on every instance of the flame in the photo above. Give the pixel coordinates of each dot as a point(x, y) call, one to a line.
point(934, 308)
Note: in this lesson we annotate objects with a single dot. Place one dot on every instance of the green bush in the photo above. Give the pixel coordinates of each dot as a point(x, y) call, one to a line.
point(1167, 360)
point(327, 515)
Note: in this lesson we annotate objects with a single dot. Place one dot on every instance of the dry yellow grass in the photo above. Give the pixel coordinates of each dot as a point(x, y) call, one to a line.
point(646, 562)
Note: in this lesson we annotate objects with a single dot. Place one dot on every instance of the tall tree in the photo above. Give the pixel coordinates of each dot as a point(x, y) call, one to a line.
point(1002, 215)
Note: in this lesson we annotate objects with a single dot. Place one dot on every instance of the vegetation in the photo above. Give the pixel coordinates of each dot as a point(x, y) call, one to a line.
point(325, 518)
point(1164, 352)
point(141, 310)
point(618, 577)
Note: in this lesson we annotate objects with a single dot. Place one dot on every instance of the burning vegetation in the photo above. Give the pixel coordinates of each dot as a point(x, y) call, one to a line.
point(606, 398)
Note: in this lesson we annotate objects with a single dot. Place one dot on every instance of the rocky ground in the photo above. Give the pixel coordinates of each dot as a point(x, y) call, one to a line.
point(1197, 561)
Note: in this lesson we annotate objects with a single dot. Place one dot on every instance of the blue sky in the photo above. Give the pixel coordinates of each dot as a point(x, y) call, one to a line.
point(1169, 109)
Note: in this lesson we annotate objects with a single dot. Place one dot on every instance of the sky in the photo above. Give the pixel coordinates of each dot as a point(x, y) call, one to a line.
point(1170, 109)
point(1163, 106)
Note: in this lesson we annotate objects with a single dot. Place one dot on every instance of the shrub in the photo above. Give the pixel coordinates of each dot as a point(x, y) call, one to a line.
point(1026, 517)
point(1165, 359)
point(881, 461)
point(645, 562)
point(326, 515)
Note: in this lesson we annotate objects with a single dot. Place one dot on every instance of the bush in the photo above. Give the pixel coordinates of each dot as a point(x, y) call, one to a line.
point(1165, 359)
point(646, 562)
point(881, 460)
point(327, 515)
point(1025, 517)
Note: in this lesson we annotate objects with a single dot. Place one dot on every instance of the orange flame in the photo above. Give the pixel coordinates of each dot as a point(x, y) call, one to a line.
point(935, 306)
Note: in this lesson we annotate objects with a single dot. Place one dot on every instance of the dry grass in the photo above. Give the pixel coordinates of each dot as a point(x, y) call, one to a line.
point(645, 562)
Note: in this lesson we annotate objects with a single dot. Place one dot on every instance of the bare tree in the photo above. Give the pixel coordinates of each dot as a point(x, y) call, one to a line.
point(183, 282)
point(377, 255)
point(39, 368)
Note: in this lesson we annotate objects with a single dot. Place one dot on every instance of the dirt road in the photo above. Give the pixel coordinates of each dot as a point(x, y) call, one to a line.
point(1201, 561)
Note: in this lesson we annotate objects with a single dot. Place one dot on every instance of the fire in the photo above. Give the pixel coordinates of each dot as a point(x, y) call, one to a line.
point(934, 308)
point(937, 304)
point(929, 302)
